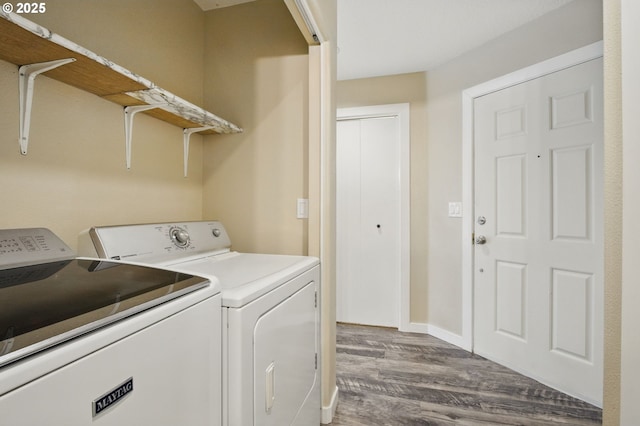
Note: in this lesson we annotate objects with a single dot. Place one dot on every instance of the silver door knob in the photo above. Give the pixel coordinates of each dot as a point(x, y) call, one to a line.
point(481, 239)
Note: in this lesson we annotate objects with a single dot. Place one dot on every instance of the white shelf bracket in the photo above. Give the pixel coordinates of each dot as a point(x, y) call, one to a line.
point(27, 75)
point(129, 113)
point(187, 136)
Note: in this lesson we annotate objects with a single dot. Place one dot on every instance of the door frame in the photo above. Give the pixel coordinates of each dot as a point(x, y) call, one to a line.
point(558, 63)
point(402, 111)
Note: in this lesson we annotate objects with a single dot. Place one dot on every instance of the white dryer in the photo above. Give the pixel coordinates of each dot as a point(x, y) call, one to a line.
point(93, 342)
point(270, 320)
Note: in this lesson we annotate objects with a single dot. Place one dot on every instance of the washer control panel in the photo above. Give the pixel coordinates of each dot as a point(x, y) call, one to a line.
point(155, 242)
point(31, 246)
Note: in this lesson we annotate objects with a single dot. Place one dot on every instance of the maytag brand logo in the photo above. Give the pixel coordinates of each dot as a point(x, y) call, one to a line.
point(113, 396)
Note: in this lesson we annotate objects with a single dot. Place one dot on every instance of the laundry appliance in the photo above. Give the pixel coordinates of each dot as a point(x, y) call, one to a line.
point(93, 342)
point(270, 314)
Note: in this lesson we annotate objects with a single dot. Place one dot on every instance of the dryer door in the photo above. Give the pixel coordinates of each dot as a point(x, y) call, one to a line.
point(285, 368)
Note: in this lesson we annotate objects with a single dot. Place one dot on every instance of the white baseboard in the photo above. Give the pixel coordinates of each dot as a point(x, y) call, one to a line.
point(442, 334)
point(415, 327)
point(329, 411)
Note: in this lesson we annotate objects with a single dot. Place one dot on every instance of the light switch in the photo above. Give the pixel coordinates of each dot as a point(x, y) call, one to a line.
point(455, 209)
point(303, 208)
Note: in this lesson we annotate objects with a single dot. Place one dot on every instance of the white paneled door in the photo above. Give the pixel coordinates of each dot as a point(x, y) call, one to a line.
point(538, 276)
point(368, 220)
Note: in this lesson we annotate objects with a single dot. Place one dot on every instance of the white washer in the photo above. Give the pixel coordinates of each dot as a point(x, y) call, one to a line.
point(271, 324)
point(93, 342)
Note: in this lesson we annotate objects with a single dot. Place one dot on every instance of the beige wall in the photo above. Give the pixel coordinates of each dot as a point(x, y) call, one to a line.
point(256, 75)
point(613, 219)
point(436, 145)
point(74, 175)
point(162, 40)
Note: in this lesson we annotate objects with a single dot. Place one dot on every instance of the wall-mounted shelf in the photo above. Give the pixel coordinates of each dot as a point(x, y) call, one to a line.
point(23, 42)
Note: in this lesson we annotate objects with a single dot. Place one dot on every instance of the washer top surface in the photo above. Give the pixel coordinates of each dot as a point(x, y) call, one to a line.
point(246, 276)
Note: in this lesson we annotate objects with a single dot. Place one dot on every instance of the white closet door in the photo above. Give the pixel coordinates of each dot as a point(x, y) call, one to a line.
point(368, 221)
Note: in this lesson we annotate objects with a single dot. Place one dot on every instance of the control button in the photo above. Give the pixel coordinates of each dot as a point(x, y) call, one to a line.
point(216, 232)
point(179, 236)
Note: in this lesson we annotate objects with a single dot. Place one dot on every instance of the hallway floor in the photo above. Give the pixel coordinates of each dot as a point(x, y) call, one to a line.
point(386, 377)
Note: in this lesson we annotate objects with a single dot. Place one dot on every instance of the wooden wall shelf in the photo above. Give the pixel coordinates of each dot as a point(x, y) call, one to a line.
point(23, 42)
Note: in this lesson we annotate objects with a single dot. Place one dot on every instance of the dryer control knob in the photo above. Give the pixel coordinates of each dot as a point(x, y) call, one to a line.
point(180, 237)
point(216, 232)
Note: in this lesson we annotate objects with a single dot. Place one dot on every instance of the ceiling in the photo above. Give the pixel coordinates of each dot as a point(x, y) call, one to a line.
point(385, 37)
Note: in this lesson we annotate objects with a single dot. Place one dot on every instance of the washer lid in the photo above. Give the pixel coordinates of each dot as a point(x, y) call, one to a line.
point(47, 304)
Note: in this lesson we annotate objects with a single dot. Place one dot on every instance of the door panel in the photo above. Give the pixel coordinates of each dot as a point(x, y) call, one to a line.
point(538, 280)
point(511, 194)
point(572, 295)
point(571, 188)
point(348, 230)
point(511, 288)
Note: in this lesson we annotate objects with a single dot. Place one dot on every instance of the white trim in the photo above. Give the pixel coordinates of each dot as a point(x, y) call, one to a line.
point(440, 333)
point(328, 412)
point(575, 57)
point(402, 111)
point(309, 20)
point(417, 327)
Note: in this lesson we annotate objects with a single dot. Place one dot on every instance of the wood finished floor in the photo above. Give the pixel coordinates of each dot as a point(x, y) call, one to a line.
point(386, 377)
